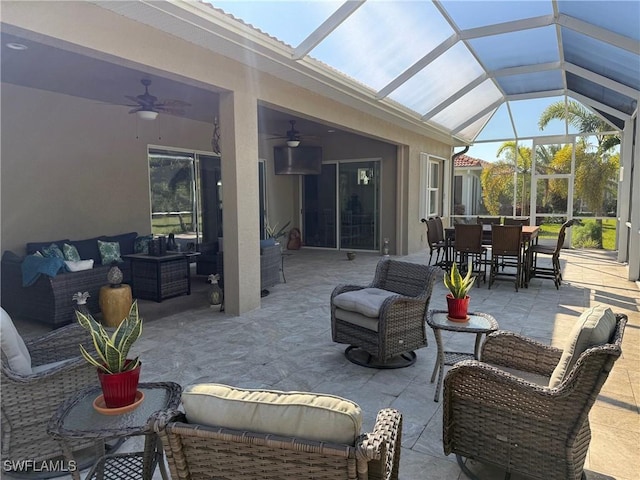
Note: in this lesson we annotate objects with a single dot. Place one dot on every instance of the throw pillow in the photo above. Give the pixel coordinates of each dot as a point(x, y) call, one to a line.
point(52, 250)
point(13, 347)
point(79, 265)
point(311, 416)
point(109, 252)
point(594, 327)
point(70, 253)
point(141, 244)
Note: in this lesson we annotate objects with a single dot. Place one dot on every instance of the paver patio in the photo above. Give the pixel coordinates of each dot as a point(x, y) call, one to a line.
point(287, 345)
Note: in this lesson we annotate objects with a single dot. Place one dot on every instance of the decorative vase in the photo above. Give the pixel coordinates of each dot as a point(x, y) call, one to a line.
point(351, 255)
point(114, 275)
point(458, 308)
point(171, 243)
point(385, 247)
point(119, 389)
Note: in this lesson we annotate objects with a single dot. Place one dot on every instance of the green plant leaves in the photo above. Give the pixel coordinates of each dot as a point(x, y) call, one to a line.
point(456, 284)
point(112, 350)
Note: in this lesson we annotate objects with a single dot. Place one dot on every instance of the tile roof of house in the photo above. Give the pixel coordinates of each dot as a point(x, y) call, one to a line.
point(463, 161)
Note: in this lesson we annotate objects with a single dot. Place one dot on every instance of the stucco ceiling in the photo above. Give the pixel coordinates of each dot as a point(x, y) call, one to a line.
point(51, 66)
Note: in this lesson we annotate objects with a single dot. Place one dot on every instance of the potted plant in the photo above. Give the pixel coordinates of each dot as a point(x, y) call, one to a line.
point(458, 286)
point(118, 374)
point(275, 232)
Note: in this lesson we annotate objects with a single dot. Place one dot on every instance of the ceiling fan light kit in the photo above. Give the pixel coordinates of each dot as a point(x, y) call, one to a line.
point(148, 106)
point(147, 114)
point(293, 143)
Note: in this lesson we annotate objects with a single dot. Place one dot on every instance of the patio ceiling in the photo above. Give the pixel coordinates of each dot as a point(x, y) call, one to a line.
point(450, 66)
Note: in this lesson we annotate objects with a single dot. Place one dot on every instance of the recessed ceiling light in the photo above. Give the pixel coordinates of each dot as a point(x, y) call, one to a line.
point(17, 46)
point(331, 130)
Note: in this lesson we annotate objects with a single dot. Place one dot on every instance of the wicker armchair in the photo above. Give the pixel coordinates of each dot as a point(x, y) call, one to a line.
point(29, 401)
point(388, 335)
point(501, 412)
point(197, 451)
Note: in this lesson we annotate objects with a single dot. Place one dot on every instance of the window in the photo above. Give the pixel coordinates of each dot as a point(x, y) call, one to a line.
point(185, 196)
point(431, 171)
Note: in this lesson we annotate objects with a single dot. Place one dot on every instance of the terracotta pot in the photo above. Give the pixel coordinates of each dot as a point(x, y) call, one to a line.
point(119, 389)
point(458, 308)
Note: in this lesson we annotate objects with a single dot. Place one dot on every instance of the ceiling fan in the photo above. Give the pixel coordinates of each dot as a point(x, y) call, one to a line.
point(148, 106)
point(292, 136)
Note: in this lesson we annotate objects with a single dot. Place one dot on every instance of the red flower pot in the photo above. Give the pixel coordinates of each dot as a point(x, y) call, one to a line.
point(458, 308)
point(119, 389)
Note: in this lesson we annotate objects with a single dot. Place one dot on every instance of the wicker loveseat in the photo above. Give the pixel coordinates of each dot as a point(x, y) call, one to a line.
point(525, 406)
point(49, 299)
point(296, 435)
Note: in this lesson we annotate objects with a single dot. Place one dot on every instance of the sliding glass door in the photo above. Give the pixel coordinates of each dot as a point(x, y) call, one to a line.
point(186, 196)
point(319, 208)
point(341, 206)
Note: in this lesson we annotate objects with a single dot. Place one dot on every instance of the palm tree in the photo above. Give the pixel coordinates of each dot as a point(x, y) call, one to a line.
point(593, 170)
point(520, 158)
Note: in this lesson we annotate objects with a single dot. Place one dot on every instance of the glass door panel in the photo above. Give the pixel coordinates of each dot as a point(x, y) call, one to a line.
point(359, 194)
point(319, 208)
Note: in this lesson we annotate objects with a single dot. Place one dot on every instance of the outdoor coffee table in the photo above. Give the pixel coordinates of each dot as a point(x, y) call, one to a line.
point(478, 323)
point(77, 419)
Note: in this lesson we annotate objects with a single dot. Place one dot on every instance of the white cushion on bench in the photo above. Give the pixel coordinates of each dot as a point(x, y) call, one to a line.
point(303, 415)
point(366, 301)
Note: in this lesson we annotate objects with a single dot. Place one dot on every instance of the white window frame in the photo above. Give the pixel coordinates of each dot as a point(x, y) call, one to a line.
point(428, 187)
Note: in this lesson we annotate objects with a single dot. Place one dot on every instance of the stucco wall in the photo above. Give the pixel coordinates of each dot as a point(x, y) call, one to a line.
point(74, 169)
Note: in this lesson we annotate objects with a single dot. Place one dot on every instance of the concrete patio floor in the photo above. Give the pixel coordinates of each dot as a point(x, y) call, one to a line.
point(286, 345)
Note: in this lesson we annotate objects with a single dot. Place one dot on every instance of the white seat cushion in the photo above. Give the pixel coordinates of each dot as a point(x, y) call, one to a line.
point(13, 347)
point(304, 415)
point(366, 301)
point(594, 327)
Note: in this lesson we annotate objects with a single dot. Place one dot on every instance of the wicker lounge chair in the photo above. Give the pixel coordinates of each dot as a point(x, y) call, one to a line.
point(29, 400)
point(392, 323)
point(198, 451)
point(501, 412)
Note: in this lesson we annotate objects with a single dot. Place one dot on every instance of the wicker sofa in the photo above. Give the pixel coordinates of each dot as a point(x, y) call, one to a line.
point(49, 299)
point(257, 434)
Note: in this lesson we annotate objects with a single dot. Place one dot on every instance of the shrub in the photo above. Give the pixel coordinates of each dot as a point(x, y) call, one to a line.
point(587, 234)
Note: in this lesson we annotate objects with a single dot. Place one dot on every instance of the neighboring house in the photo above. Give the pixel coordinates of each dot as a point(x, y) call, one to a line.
point(467, 189)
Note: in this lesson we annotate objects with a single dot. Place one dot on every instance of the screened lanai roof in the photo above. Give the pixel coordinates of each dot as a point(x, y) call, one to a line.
point(471, 68)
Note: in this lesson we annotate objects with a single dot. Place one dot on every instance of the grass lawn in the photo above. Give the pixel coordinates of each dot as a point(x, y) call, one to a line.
point(551, 230)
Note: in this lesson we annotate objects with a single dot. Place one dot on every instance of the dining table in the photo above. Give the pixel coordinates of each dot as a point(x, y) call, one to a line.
point(529, 237)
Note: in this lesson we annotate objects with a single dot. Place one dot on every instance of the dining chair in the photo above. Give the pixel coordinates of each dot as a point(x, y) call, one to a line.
point(555, 271)
point(468, 242)
point(435, 239)
point(506, 251)
point(516, 221)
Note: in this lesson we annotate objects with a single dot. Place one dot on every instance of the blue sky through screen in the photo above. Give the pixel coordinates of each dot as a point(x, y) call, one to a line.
point(291, 21)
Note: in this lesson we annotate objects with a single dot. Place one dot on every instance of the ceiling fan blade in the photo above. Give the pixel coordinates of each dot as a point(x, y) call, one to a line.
point(133, 99)
point(172, 103)
point(170, 110)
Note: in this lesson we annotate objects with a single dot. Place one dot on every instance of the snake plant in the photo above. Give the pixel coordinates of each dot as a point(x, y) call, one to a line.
point(458, 285)
point(112, 350)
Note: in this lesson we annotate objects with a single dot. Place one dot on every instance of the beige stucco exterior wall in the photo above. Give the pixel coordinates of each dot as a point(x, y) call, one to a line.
point(74, 169)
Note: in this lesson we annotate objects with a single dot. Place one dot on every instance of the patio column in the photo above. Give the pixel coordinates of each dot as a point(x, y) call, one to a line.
point(239, 159)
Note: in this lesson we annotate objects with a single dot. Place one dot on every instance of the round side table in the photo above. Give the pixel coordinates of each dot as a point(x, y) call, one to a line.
point(479, 323)
point(115, 304)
